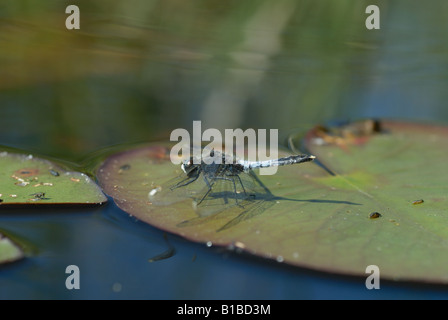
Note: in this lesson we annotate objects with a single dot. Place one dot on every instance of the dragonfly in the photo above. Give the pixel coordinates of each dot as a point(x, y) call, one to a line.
point(215, 186)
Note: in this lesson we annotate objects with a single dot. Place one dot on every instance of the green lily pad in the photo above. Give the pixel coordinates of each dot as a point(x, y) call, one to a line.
point(269, 227)
point(397, 170)
point(362, 208)
point(27, 180)
point(9, 251)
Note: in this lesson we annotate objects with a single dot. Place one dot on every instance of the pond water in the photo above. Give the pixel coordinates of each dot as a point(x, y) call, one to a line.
point(112, 251)
point(136, 70)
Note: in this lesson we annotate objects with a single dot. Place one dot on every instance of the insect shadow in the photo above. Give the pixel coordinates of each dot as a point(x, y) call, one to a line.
point(222, 205)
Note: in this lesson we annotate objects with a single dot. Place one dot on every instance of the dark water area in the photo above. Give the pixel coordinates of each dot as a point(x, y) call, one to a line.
point(114, 254)
point(135, 71)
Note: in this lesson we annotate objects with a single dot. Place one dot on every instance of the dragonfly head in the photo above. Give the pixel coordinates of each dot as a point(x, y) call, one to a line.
point(190, 168)
point(186, 165)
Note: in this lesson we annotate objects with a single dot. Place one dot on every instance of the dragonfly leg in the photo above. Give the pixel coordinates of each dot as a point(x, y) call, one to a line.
point(234, 187)
point(208, 191)
point(242, 185)
point(183, 184)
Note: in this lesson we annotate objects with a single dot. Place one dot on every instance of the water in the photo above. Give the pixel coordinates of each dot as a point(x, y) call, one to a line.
point(133, 73)
point(112, 251)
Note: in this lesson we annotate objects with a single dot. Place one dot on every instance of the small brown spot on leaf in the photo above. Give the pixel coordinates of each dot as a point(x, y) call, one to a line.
point(375, 215)
point(26, 172)
point(124, 167)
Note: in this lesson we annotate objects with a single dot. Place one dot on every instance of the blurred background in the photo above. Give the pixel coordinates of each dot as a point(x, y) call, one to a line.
point(137, 69)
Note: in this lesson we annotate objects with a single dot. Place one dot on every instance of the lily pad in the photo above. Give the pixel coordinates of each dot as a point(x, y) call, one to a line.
point(397, 170)
point(319, 217)
point(270, 227)
point(9, 251)
point(27, 180)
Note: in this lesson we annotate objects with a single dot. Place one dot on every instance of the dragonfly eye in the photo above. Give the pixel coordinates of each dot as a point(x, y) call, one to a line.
point(187, 165)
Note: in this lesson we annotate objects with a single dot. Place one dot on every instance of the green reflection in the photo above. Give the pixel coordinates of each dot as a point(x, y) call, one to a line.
point(138, 69)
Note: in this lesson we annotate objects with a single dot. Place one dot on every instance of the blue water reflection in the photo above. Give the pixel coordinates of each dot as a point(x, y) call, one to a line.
point(112, 250)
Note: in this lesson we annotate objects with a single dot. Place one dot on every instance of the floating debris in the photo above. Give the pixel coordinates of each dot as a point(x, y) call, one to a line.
point(417, 202)
point(375, 215)
point(166, 254)
point(153, 192)
point(54, 173)
point(236, 246)
point(43, 184)
point(22, 183)
point(353, 133)
point(24, 175)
